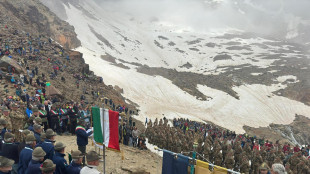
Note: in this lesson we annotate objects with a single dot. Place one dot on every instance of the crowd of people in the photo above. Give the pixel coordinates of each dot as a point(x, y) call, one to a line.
point(31, 117)
point(39, 154)
point(239, 152)
point(129, 134)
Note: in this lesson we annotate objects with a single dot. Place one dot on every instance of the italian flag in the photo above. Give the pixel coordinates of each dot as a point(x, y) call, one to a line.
point(105, 123)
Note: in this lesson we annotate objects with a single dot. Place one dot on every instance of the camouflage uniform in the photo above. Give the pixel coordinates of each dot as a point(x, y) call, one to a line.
point(229, 161)
point(270, 158)
point(218, 158)
point(18, 119)
point(256, 162)
point(245, 166)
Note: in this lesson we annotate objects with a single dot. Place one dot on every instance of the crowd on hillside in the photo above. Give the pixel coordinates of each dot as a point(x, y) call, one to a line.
point(221, 147)
point(31, 115)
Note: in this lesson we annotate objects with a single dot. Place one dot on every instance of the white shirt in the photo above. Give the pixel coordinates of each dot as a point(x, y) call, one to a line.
point(89, 170)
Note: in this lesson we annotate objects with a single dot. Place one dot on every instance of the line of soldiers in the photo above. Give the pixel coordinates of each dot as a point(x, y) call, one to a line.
point(224, 151)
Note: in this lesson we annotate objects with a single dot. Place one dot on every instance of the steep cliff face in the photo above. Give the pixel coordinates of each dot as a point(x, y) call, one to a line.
point(33, 17)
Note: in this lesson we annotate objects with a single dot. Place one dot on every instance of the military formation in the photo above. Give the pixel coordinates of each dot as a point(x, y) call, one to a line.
point(224, 148)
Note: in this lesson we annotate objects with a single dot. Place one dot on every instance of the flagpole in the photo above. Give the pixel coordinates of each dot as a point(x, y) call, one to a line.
point(103, 145)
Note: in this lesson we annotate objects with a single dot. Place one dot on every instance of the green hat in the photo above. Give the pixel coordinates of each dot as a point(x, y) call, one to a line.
point(8, 135)
point(31, 118)
point(38, 152)
point(43, 136)
point(38, 120)
point(264, 166)
point(36, 127)
point(26, 132)
point(48, 166)
point(59, 146)
point(50, 133)
point(92, 156)
point(76, 154)
point(5, 162)
point(35, 109)
point(30, 137)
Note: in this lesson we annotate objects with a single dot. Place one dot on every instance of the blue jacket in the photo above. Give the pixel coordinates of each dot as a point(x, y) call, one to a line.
point(61, 163)
point(48, 148)
point(30, 127)
point(3, 131)
point(24, 159)
point(28, 111)
point(82, 137)
point(74, 168)
point(37, 136)
point(34, 167)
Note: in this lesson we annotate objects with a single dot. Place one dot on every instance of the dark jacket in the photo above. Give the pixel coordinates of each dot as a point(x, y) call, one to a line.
point(74, 168)
point(10, 150)
point(34, 167)
point(48, 147)
point(82, 136)
point(30, 127)
point(61, 163)
point(24, 159)
point(37, 136)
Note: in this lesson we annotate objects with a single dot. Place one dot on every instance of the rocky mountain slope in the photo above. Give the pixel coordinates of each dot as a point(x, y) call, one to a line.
point(34, 17)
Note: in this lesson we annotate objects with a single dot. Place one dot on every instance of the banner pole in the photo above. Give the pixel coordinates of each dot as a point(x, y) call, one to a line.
point(103, 145)
point(91, 124)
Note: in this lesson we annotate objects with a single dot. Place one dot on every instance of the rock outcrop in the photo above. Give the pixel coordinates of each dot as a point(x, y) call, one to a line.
point(33, 17)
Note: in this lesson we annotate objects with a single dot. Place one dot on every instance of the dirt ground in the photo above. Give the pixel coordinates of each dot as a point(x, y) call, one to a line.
point(134, 161)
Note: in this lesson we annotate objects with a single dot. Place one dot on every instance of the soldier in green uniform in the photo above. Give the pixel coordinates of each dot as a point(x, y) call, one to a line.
point(218, 158)
point(18, 119)
point(245, 166)
point(229, 161)
point(271, 157)
point(294, 160)
point(5, 116)
point(256, 161)
point(288, 169)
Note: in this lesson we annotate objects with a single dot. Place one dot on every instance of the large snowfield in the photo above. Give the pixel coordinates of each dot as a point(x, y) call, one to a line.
point(130, 39)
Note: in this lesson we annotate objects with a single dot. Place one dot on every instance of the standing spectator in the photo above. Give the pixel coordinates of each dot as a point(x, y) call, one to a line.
point(82, 137)
point(135, 135)
point(37, 132)
point(10, 150)
point(26, 154)
point(296, 148)
point(92, 163)
point(59, 158)
point(48, 167)
point(35, 163)
point(48, 144)
point(5, 165)
point(75, 165)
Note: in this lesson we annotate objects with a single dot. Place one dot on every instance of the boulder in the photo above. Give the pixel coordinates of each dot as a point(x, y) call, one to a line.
point(5, 61)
